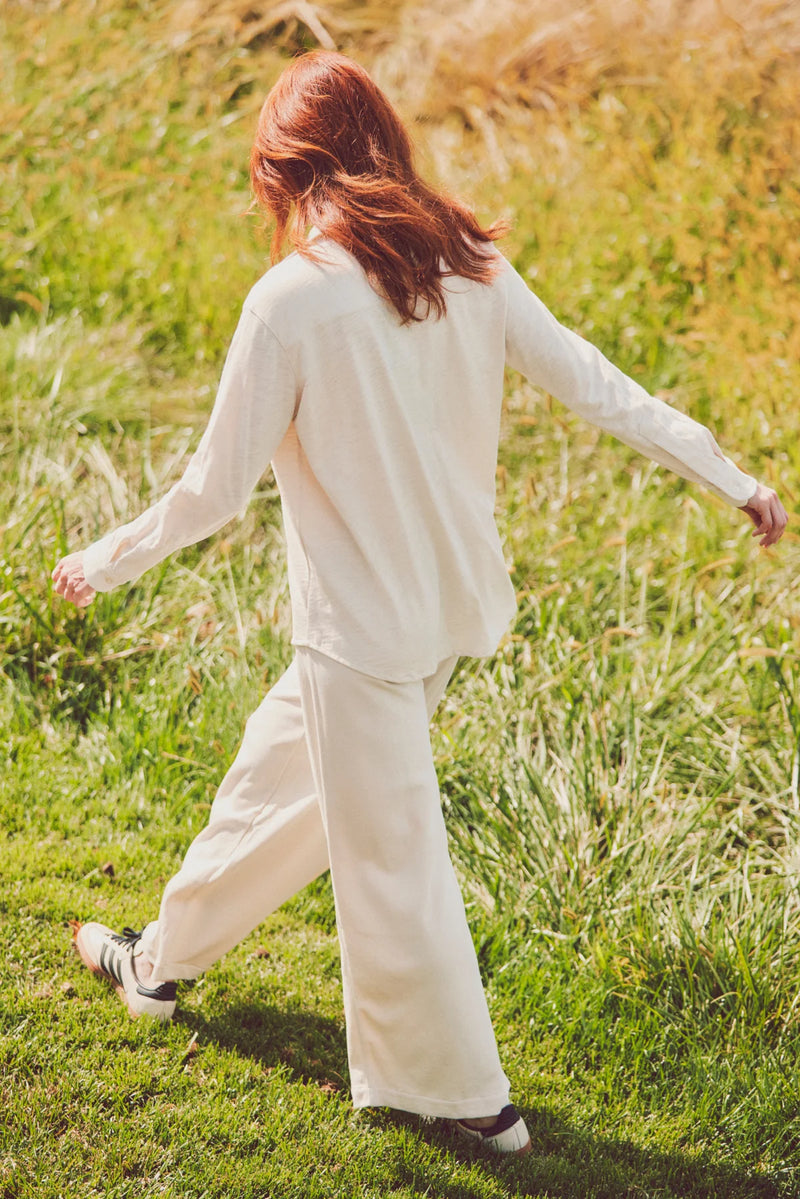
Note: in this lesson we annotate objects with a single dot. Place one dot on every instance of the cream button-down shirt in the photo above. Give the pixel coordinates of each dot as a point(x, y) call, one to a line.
point(383, 439)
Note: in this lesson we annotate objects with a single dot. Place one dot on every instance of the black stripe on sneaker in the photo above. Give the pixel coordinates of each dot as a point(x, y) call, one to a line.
point(164, 991)
point(116, 968)
point(508, 1117)
point(113, 964)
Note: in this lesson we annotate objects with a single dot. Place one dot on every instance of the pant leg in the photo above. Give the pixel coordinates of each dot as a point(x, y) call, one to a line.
point(418, 1027)
point(264, 841)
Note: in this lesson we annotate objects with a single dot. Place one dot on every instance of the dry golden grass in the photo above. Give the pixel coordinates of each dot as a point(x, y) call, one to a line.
point(488, 57)
point(502, 69)
point(484, 65)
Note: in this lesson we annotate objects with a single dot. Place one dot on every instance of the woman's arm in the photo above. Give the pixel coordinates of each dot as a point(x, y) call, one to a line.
point(255, 404)
point(575, 372)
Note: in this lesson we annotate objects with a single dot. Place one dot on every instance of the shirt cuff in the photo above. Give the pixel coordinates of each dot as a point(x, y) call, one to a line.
point(738, 491)
point(96, 565)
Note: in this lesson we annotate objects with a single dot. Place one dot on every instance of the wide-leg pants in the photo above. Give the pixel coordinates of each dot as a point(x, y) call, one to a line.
point(335, 770)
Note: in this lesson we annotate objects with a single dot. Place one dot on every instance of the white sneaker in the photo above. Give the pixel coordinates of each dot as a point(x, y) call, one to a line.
point(113, 956)
point(508, 1134)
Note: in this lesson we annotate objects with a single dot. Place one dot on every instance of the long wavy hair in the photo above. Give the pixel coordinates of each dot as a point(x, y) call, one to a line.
point(331, 152)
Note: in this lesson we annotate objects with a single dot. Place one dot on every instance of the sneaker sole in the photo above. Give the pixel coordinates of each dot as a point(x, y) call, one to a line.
point(504, 1152)
point(467, 1135)
point(491, 1152)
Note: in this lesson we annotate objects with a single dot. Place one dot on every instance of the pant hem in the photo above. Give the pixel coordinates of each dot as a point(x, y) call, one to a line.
point(462, 1109)
point(164, 972)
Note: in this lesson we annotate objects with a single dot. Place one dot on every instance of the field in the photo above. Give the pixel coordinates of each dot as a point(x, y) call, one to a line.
point(621, 780)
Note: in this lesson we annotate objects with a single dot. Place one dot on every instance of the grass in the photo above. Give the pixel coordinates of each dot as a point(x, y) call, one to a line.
point(620, 780)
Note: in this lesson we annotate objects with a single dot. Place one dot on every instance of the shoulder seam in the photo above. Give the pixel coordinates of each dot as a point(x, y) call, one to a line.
point(247, 308)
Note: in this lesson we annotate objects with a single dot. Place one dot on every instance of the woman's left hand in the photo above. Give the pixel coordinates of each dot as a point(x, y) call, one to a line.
point(767, 514)
point(70, 581)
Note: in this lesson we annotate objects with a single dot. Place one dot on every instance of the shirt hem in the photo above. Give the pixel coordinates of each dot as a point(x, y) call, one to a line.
point(413, 675)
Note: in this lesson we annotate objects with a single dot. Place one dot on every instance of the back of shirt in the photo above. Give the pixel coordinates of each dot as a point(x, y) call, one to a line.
point(387, 473)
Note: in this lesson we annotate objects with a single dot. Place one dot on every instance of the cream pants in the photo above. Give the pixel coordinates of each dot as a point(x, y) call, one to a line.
point(335, 770)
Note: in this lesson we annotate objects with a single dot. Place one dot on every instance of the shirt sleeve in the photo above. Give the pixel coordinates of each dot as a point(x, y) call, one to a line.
point(577, 374)
point(254, 407)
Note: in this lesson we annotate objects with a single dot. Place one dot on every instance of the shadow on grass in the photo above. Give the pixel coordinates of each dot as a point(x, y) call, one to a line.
point(312, 1047)
point(566, 1162)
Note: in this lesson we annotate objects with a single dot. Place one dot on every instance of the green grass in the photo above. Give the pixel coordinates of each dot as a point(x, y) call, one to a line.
point(620, 781)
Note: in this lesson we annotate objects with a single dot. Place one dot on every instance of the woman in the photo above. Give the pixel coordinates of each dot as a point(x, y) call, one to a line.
point(368, 368)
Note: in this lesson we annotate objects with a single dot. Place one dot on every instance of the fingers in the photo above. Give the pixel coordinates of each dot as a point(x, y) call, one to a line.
point(70, 583)
point(768, 515)
point(79, 594)
point(751, 511)
point(777, 519)
point(64, 569)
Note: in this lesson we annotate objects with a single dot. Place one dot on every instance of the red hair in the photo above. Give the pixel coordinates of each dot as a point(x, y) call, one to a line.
point(330, 151)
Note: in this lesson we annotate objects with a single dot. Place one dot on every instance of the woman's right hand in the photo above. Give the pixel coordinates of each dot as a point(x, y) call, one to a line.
point(767, 514)
point(70, 581)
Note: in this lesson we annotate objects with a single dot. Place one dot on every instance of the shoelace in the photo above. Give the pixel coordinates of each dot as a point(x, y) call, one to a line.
point(128, 937)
